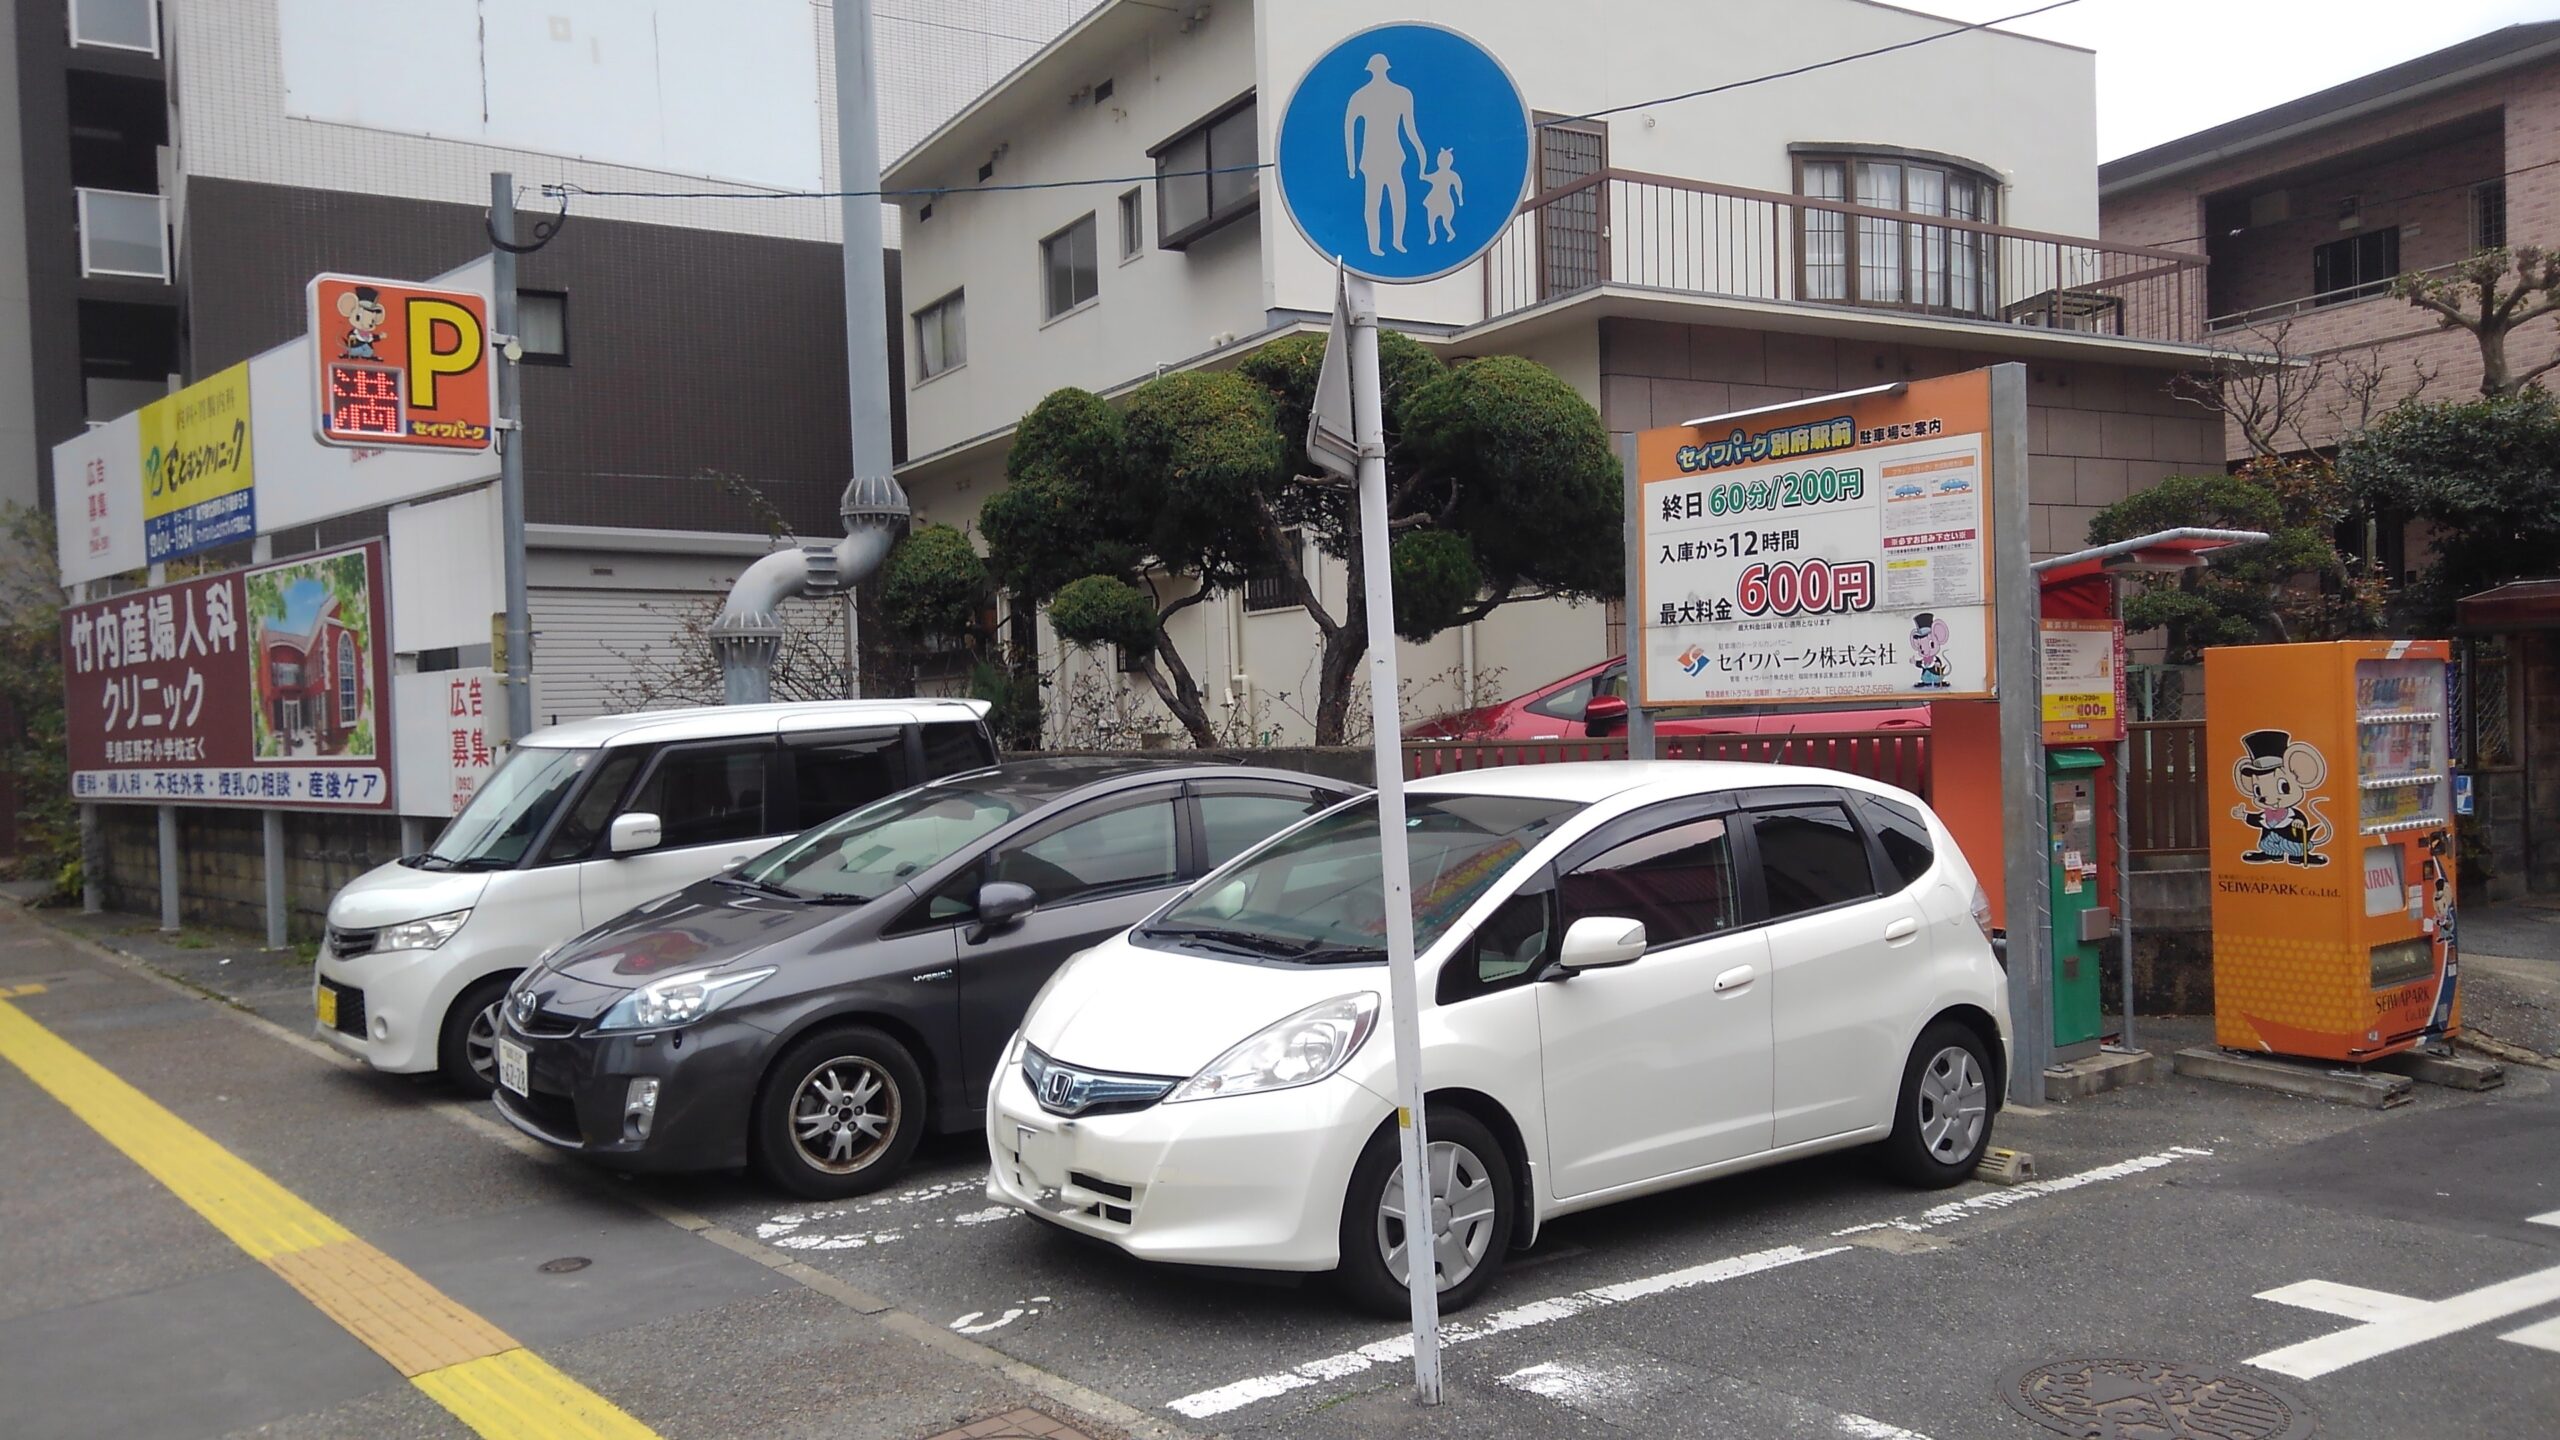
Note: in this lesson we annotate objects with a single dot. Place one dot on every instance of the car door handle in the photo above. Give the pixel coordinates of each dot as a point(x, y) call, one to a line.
point(1735, 978)
point(1901, 930)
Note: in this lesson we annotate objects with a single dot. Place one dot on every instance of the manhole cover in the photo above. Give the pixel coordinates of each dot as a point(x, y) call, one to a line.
point(2116, 1399)
point(565, 1264)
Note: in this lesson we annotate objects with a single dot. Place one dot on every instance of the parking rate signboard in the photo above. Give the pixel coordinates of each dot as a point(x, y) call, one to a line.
point(1840, 551)
point(401, 366)
point(261, 687)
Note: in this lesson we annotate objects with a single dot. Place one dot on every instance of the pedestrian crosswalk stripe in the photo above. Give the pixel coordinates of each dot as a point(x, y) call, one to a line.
point(462, 1362)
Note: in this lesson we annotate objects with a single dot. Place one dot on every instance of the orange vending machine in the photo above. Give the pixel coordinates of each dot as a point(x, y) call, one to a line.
point(2332, 844)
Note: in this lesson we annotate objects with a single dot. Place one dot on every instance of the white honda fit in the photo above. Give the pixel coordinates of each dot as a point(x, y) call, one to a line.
point(1633, 977)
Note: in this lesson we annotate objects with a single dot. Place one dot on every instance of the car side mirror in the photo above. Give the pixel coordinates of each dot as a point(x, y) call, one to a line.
point(1597, 942)
point(1002, 903)
point(1605, 712)
point(631, 834)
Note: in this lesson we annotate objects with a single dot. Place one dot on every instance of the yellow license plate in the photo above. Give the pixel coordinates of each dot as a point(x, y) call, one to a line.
point(328, 1007)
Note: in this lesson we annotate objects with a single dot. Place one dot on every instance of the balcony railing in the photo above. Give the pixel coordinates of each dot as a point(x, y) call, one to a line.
point(122, 233)
point(1619, 227)
point(117, 24)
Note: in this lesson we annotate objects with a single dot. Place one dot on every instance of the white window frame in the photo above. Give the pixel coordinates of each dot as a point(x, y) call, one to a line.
point(1133, 223)
point(350, 683)
point(71, 27)
point(87, 269)
point(933, 313)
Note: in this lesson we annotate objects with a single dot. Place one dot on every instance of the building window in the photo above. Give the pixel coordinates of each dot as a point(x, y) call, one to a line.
point(942, 339)
point(1274, 592)
point(1133, 211)
point(117, 24)
point(123, 234)
point(2354, 267)
point(347, 680)
point(2489, 215)
point(1069, 273)
point(542, 326)
point(1207, 175)
point(1861, 260)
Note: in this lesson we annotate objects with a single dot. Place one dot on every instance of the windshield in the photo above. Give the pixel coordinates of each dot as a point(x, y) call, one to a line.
point(510, 809)
point(1317, 894)
point(872, 851)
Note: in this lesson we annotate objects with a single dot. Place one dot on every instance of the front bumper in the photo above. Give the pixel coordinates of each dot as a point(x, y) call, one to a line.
point(394, 1021)
point(1247, 1181)
point(706, 1074)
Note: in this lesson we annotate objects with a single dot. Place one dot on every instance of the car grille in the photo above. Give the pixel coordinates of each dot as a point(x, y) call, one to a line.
point(347, 944)
point(545, 1025)
point(350, 1007)
point(1063, 1089)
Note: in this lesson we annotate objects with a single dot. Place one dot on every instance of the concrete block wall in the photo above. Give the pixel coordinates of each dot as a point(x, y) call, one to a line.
point(222, 864)
point(2097, 432)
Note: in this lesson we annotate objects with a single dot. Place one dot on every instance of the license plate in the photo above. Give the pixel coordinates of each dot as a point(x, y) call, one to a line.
point(1044, 1154)
point(511, 1066)
point(328, 1002)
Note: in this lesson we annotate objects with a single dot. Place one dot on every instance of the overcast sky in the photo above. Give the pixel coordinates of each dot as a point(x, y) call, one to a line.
point(2167, 68)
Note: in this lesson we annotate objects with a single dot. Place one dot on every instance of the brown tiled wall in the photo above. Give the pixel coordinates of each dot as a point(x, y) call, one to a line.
point(689, 349)
point(2095, 433)
point(222, 865)
point(2526, 104)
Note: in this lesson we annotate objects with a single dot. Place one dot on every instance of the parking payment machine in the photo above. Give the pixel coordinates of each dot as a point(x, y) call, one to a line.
point(2079, 921)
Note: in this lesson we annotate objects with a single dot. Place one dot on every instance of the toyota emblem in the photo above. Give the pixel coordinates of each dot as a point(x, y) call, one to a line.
point(523, 1004)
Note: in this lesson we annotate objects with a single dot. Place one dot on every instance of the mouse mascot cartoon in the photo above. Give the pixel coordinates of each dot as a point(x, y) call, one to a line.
point(1929, 650)
point(363, 310)
point(2277, 777)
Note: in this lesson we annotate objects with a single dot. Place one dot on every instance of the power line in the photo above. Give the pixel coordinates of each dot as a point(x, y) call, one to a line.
point(564, 189)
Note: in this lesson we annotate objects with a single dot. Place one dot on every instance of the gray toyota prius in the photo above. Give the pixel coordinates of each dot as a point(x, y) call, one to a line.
point(815, 1011)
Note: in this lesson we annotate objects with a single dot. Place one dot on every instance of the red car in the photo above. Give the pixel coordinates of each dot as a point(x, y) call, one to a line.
point(1592, 704)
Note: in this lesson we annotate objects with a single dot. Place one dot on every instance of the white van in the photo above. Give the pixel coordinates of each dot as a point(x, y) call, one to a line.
point(585, 821)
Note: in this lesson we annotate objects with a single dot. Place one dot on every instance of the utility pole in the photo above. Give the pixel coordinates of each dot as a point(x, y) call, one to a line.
point(519, 632)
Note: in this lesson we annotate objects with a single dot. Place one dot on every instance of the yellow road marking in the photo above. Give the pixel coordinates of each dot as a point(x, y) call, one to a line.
point(460, 1360)
point(11, 992)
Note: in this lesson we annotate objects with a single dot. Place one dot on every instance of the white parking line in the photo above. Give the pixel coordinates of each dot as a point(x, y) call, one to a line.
point(2421, 1321)
point(1538, 1312)
point(2347, 1302)
point(1238, 1394)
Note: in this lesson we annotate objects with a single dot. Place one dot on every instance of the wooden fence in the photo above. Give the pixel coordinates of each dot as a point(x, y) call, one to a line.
point(2170, 810)
point(1896, 758)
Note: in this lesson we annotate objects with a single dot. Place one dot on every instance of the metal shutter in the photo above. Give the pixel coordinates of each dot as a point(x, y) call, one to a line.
point(590, 647)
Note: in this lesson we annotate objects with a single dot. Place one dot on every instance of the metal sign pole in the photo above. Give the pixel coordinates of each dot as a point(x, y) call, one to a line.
point(1631, 606)
point(271, 820)
point(2024, 817)
point(1387, 741)
point(519, 677)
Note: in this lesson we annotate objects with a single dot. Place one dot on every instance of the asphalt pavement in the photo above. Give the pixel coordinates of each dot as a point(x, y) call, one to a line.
point(2413, 1257)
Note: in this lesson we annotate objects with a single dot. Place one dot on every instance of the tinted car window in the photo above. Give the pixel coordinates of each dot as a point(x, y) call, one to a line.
point(1904, 836)
point(1506, 948)
point(1810, 856)
point(1124, 847)
point(1566, 704)
point(584, 824)
point(836, 773)
point(1680, 882)
point(706, 795)
point(953, 746)
point(1234, 821)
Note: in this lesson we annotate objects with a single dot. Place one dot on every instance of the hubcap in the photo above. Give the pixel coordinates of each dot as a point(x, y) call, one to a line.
point(1461, 1218)
point(480, 1043)
point(1954, 1104)
point(844, 1113)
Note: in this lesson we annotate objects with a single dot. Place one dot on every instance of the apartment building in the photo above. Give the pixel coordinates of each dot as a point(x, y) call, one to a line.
point(1913, 214)
point(2308, 209)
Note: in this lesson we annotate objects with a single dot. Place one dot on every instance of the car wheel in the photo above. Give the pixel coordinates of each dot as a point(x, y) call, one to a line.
point(1472, 1202)
point(467, 1047)
point(1942, 1120)
point(839, 1114)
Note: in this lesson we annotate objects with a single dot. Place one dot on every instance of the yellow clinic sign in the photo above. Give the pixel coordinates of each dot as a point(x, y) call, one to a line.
point(198, 484)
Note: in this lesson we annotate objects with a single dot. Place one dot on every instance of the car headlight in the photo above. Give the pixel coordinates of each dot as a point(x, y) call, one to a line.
point(1300, 1050)
point(424, 934)
point(677, 999)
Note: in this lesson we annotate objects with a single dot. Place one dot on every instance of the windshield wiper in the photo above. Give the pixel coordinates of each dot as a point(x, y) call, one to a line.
point(1317, 954)
point(760, 887)
point(482, 862)
point(1246, 941)
point(426, 860)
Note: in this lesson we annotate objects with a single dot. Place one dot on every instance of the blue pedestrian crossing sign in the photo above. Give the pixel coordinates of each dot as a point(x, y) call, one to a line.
point(1404, 152)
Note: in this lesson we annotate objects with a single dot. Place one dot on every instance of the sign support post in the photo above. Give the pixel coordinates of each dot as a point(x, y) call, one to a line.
point(2019, 679)
point(1631, 606)
point(271, 822)
point(1368, 425)
point(510, 438)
